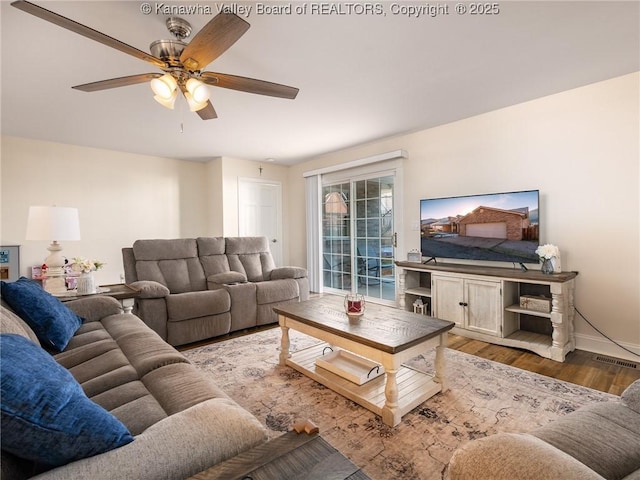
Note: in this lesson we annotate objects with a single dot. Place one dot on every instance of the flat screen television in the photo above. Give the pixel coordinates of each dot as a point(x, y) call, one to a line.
point(501, 227)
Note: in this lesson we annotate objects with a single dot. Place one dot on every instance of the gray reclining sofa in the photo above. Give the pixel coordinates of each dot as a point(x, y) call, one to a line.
point(192, 289)
point(600, 441)
point(180, 420)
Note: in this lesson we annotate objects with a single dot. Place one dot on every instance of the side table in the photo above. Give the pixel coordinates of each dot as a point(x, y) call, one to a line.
point(119, 291)
point(288, 457)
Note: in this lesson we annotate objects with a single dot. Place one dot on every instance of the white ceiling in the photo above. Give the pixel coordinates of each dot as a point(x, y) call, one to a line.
point(361, 77)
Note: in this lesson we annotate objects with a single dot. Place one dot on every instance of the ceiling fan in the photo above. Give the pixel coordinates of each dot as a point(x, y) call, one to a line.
point(181, 63)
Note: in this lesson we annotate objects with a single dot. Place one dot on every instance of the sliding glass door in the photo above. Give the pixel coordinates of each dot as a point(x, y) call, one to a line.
point(358, 237)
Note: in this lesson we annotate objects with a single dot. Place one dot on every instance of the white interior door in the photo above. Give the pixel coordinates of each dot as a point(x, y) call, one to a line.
point(260, 212)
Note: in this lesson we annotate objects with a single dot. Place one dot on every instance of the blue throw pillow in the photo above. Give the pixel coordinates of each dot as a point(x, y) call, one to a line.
point(46, 416)
point(51, 320)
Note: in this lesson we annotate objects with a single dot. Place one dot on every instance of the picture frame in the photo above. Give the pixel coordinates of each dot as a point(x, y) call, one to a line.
point(9, 263)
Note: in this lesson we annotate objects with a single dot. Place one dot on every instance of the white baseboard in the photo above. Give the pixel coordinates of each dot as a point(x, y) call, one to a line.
point(603, 346)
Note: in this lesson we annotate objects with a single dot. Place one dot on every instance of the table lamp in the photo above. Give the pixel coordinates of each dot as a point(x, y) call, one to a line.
point(53, 224)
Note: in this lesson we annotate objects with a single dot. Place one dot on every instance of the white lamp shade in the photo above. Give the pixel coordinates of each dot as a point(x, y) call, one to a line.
point(164, 86)
point(198, 90)
point(193, 105)
point(167, 102)
point(53, 223)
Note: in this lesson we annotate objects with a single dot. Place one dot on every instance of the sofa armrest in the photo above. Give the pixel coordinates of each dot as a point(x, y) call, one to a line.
point(150, 289)
point(507, 456)
point(280, 273)
point(631, 396)
point(216, 280)
point(93, 309)
point(176, 447)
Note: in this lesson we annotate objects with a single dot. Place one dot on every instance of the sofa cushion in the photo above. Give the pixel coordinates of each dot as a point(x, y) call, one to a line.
point(165, 249)
point(52, 422)
point(250, 256)
point(603, 436)
point(212, 255)
point(109, 358)
point(142, 347)
point(52, 321)
point(179, 386)
point(12, 323)
point(172, 262)
point(276, 291)
point(186, 306)
point(210, 246)
point(515, 456)
point(178, 275)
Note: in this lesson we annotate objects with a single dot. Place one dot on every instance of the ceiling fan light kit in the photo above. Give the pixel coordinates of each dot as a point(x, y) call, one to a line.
point(165, 86)
point(167, 102)
point(194, 105)
point(198, 90)
point(181, 63)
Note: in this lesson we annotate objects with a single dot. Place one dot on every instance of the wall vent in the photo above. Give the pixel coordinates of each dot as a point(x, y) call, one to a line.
point(616, 361)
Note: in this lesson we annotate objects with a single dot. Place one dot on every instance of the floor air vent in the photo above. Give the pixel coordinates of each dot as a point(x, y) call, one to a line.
point(616, 361)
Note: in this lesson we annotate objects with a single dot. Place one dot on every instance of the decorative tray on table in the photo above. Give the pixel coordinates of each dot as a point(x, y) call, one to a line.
point(354, 368)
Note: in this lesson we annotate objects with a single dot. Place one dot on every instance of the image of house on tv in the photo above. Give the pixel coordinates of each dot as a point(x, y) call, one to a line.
point(488, 222)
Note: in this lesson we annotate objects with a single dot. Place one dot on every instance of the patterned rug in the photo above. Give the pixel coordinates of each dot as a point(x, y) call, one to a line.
point(484, 398)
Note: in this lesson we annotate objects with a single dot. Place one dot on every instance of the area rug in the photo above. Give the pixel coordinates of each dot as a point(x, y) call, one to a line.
point(483, 398)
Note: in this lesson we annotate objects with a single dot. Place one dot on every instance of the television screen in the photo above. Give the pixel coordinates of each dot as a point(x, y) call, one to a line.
point(501, 227)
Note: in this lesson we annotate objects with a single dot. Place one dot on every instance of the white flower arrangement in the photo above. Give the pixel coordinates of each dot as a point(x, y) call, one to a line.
point(547, 251)
point(80, 264)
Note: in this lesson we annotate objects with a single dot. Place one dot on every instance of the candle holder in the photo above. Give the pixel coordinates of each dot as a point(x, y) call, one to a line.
point(354, 304)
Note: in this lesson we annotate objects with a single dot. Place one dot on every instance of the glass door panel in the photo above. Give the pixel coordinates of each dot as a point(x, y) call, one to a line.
point(358, 237)
point(336, 237)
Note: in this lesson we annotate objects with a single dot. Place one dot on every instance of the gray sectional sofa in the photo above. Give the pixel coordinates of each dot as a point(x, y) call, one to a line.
point(192, 289)
point(181, 422)
point(596, 442)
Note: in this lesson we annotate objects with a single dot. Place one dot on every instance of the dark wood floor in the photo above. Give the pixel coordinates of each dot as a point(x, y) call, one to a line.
point(579, 367)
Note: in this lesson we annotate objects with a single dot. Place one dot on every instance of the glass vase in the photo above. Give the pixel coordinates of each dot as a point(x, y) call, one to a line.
point(547, 266)
point(354, 304)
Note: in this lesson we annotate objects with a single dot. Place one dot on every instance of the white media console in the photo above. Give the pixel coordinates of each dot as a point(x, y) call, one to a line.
point(484, 303)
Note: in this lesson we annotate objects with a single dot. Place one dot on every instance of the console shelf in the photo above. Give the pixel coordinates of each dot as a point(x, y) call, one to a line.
point(419, 291)
point(516, 308)
point(484, 304)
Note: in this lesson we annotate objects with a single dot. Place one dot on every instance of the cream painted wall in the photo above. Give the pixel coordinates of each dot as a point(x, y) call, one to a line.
point(120, 197)
point(580, 148)
point(214, 196)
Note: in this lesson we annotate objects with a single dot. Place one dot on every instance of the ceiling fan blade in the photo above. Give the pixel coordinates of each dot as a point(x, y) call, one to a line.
point(88, 32)
point(213, 40)
point(251, 85)
point(117, 82)
point(208, 112)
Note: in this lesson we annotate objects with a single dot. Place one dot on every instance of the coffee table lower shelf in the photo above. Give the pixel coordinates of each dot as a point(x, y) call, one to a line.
point(414, 387)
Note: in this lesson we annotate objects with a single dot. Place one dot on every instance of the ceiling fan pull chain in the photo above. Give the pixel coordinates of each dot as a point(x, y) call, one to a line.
point(181, 116)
